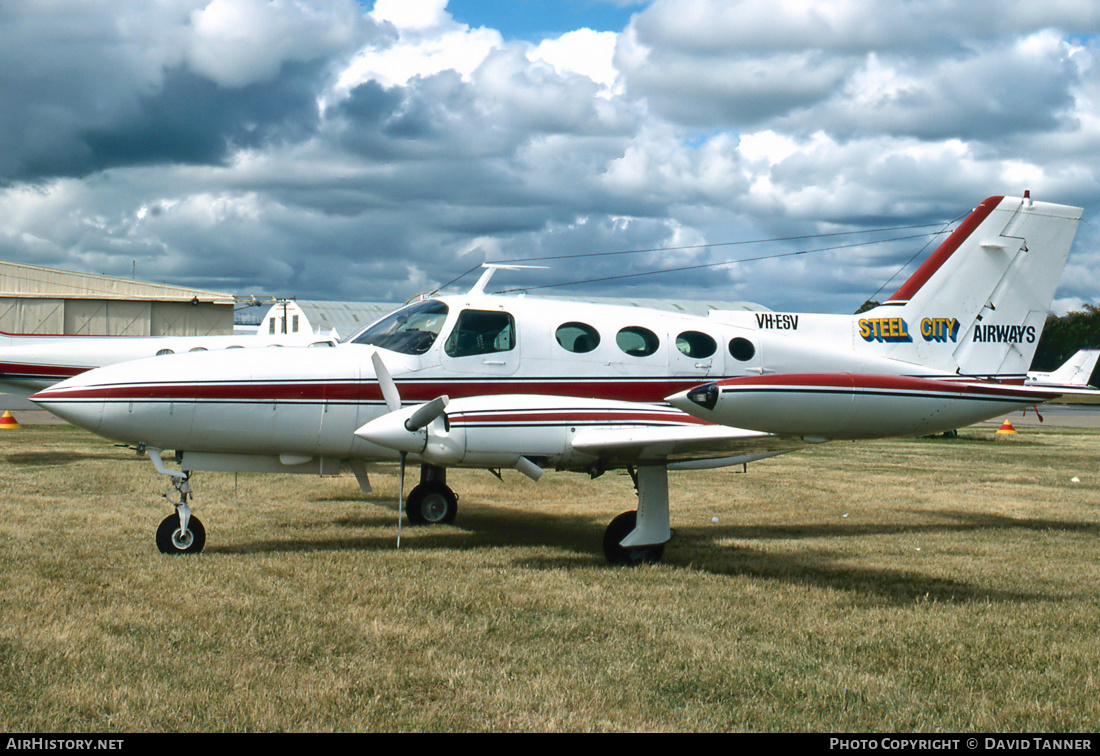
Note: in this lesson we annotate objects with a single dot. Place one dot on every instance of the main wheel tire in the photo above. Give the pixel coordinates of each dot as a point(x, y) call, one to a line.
point(431, 504)
point(628, 556)
point(172, 540)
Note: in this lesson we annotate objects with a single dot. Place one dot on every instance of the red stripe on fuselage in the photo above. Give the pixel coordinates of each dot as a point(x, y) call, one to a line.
point(634, 390)
point(45, 371)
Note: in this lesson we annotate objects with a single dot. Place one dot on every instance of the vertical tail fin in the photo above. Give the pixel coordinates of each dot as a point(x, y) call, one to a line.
point(986, 290)
point(1076, 371)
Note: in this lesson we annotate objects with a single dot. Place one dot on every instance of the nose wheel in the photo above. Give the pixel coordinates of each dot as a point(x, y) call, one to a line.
point(172, 538)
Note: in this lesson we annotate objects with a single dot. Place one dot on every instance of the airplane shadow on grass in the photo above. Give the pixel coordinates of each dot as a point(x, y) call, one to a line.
point(698, 548)
point(44, 459)
point(58, 457)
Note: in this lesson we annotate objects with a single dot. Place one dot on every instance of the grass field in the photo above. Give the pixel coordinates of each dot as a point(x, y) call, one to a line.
point(937, 584)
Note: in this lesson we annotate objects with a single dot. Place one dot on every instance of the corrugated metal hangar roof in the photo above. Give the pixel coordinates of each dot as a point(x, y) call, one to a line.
point(21, 280)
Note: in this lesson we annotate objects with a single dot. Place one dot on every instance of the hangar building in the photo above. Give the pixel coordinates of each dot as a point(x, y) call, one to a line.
point(40, 301)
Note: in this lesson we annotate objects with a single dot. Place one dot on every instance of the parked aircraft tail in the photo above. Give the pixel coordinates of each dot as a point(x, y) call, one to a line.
point(987, 289)
point(1075, 372)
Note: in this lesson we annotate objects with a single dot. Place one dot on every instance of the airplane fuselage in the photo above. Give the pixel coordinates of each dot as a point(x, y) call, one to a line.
point(304, 404)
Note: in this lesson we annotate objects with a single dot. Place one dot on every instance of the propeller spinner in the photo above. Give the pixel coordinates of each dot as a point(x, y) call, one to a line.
point(401, 429)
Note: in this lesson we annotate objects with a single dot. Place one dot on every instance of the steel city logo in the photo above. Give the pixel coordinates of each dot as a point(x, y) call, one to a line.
point(884, 329)
point(939, 329)
point(897, 330)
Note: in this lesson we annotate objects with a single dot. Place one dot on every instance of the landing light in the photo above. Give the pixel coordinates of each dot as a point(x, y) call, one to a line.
point(705, 396)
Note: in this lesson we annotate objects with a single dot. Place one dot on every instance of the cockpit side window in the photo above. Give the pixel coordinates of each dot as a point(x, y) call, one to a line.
point(481, 332)
point(410, 330)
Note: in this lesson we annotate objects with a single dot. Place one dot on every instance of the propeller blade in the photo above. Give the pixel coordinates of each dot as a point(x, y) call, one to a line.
point(426, 413)
point(385, 382)
point(401, 498)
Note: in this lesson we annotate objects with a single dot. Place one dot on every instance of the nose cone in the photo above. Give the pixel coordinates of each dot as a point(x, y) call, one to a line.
point(77, 400)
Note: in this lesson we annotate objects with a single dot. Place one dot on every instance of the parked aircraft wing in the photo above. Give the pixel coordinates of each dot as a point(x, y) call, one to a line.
point(692, 442)
point(1076, 395)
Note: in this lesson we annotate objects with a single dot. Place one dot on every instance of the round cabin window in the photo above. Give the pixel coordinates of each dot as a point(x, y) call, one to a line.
point(637, 341)
point(695, 344)
point(577, 337)
point(742, 349)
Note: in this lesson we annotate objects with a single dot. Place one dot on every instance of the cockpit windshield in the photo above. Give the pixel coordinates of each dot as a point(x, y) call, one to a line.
point(410, 330)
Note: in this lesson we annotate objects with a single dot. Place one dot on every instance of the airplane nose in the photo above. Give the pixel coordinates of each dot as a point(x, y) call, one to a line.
point(64, 402)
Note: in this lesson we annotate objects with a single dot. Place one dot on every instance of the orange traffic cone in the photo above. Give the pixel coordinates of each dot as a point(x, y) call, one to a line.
point(7, 421)
point(1006, 427)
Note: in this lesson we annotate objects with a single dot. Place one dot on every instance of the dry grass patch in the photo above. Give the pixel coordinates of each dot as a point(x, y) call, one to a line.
point(904, 585)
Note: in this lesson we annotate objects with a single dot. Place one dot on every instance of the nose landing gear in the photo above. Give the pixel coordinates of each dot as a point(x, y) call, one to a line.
point(174, 538)
point(180, 532)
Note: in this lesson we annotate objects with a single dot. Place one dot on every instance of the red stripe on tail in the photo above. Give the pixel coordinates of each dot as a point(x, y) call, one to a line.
point(941, 255)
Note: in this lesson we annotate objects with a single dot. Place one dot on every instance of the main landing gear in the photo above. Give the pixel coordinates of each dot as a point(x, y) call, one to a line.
point(633, 538)
point(432, 502)
point(639, 537)
point(628, 556)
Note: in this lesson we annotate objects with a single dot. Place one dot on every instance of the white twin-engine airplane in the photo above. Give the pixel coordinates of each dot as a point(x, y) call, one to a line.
point(519, 382)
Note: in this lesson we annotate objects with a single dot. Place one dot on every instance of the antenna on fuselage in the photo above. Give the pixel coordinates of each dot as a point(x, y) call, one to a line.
point(491, 268)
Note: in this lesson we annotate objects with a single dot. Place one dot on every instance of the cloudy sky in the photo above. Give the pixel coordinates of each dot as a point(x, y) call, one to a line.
point(333, 149)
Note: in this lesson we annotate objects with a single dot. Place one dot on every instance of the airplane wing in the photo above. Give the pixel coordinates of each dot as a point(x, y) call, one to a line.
point(716, 445)
point(566, 433)
point(1076, 395)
